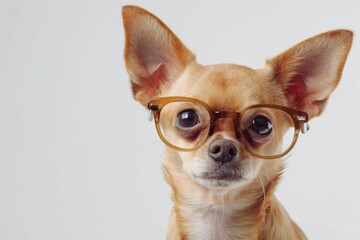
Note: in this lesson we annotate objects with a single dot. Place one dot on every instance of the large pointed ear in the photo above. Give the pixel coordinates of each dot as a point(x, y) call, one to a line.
point(154, 56)
point(311, 70)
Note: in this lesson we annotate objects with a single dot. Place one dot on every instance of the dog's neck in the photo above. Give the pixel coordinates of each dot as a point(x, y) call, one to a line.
point(202, 214)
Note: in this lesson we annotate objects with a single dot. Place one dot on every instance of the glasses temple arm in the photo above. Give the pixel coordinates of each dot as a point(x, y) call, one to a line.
point(152, 107)
point(304, 125)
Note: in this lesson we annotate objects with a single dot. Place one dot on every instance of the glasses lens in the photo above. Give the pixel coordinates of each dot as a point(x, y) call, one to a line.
point(267, 132)
point(184, 124)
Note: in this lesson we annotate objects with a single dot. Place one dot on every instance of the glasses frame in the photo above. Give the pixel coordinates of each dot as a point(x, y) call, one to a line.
point(300, 120)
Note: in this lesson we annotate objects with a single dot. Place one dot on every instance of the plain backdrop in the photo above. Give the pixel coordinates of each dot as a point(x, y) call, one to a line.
point(78, 159)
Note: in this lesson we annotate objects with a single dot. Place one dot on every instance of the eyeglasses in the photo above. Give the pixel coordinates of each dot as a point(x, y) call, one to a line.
point(267, 131)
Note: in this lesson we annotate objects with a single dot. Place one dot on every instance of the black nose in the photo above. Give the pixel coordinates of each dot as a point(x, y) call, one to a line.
point(223, 150)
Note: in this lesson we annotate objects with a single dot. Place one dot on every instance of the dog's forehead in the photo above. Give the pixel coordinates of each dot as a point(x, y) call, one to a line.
point(223, 87)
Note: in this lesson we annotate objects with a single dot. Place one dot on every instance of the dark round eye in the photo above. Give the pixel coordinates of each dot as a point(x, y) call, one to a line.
point(261, 125)
point(187, 119)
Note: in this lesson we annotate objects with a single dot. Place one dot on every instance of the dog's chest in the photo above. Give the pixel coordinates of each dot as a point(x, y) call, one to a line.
point(211, 223)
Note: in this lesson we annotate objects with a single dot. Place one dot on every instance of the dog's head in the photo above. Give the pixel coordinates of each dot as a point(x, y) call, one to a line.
point(223, 121)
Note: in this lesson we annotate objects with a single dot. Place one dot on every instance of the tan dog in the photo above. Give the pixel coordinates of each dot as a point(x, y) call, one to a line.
point(227, 127)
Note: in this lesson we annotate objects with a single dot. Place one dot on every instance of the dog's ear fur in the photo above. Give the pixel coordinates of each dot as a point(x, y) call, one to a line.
point(311, 70)
point(154, 56)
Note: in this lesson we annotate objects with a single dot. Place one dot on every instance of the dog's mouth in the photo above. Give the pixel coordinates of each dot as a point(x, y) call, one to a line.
point(222, 174)
point(220, 177)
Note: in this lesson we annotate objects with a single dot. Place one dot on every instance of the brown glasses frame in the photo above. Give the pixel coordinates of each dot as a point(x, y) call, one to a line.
point(299, 119)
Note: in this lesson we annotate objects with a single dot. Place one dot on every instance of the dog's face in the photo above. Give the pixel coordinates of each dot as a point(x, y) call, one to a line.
point(222, 161)
point(232, 149)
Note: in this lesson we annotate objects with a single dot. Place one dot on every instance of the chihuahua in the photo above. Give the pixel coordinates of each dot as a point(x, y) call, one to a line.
point(227, 127)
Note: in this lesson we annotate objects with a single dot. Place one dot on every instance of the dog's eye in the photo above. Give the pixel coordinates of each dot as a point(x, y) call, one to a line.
point(261, 125)
point(187, 119)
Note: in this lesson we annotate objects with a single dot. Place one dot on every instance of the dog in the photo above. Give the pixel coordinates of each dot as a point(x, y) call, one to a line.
point(227, 127)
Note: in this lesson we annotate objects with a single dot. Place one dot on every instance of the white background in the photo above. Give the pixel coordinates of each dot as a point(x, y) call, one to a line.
point(78, 159)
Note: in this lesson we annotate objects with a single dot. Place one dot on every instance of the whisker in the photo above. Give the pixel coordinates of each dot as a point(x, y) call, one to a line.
point(266, 175)
point(259, 177)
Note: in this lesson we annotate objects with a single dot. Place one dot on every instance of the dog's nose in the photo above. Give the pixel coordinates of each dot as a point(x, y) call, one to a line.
point(223, 150)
